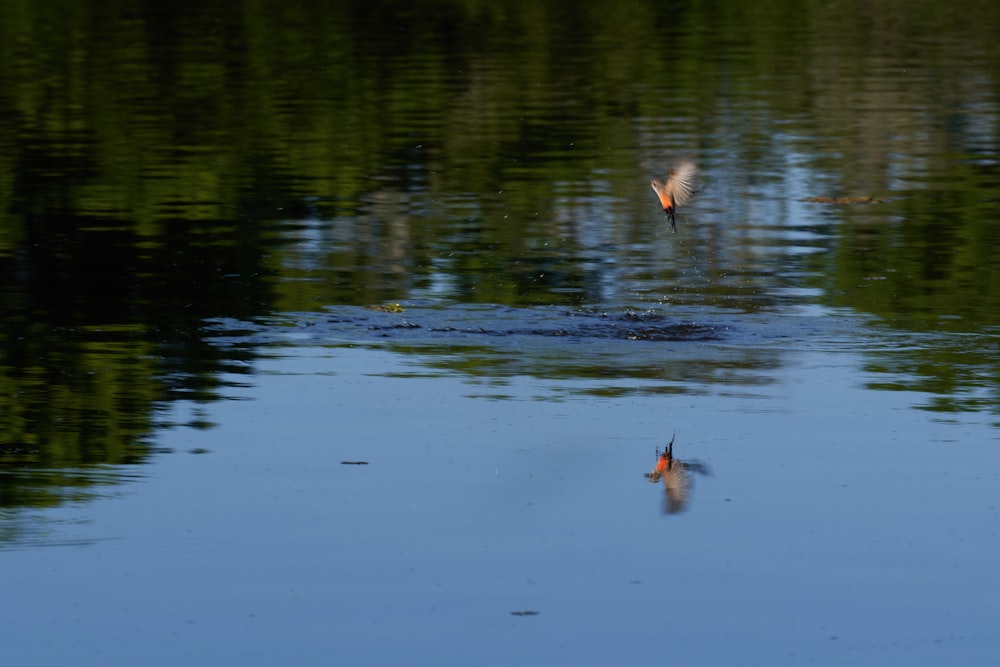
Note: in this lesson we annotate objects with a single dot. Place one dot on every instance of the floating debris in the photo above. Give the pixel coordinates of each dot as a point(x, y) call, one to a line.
point(354, 463)
point(387, 308)
point(524, 612)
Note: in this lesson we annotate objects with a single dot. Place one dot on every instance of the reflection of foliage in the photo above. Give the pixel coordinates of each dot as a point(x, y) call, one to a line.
point(923, 264)
point(951, 371)
point(73, 400)
point(76, 403)
point(422, 130)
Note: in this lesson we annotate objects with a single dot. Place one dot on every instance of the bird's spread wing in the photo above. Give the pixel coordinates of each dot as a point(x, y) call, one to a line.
point(680, 182)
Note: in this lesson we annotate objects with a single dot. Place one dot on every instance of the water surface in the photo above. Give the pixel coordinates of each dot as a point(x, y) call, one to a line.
point(348, 333)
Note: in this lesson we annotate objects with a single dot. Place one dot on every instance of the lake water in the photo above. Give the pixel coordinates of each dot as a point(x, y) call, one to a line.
point(347, 335)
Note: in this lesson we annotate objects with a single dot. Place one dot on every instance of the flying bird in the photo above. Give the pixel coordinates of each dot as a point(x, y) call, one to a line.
point(678, 189)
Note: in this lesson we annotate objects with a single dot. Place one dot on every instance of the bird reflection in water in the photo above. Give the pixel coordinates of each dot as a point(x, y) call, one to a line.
point(676, 477)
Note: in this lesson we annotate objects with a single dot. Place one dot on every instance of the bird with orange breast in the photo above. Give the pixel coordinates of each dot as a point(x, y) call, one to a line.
point(676, 190)
point(675, 475)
